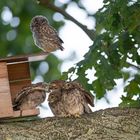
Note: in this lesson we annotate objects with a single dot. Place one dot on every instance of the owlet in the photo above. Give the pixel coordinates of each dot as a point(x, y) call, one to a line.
point(30, 96)
point(44, 35)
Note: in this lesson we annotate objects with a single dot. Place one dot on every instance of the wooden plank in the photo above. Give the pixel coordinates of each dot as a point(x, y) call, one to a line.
point(29, 112)
point(3, 70)
point(20, 58)
point(15, 87)
point(6, 109)
point(4, 85)
point(17, 113)
point(18, 71)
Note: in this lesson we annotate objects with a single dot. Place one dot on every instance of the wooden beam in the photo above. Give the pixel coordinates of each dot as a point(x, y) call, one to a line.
point(24, 58)
point(18, 71)
point(29, 112)
point(6, 109)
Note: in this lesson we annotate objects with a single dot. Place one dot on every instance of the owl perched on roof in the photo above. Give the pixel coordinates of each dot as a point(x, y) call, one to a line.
point(44, 35)
point(69, 99)
point(30, 96)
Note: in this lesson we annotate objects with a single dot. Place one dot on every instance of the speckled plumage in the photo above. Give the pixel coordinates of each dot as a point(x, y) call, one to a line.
point(44, 35)
point(69, 99)
point(30, 96)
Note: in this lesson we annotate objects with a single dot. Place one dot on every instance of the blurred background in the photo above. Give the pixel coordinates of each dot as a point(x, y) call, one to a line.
point(16, 39)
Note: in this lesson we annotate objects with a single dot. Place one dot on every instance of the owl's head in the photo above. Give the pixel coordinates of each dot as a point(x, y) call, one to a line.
point(38, 21)
point(77, 84)
point(54, 97)
point(68, 86)
point(56, 84)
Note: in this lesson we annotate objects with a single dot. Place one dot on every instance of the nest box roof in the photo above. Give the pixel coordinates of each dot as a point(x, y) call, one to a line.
point(26, 57)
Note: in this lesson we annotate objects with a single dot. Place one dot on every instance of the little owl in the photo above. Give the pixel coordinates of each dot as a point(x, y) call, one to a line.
point(69, 99)
point(30, 96)
point(44, 35)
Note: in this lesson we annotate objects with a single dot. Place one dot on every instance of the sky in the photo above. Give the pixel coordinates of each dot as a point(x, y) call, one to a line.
point(77, 43)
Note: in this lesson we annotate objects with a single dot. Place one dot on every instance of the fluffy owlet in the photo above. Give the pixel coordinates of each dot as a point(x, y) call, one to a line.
point(30, 96)
point(44, 35)
point(69, 99)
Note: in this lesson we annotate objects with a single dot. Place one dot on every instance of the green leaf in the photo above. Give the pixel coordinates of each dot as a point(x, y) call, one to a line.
point(98, 88)
point(133, 88)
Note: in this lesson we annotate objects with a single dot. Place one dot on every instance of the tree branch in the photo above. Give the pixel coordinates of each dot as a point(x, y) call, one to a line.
point(48, 4)
point(113, 123)
point(134, 66)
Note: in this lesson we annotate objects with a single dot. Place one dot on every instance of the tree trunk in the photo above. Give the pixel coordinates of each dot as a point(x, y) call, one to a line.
point(108, 124)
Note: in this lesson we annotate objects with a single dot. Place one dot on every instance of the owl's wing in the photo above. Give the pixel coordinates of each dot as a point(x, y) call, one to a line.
point(31, 89)
point(35, 36)
point(56, 104)
point(21, 95)
point(89, 98)
point(52, 35)
point(87, 108)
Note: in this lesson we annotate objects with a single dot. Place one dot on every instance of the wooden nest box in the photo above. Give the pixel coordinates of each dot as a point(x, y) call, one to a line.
point(15, 74)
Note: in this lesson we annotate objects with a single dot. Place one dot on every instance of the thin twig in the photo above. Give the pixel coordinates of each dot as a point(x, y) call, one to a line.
point(48, 4)
point(132, 65)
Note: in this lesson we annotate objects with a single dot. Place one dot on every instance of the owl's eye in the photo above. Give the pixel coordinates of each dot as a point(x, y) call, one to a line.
point(44, 20)
point(35, 20)
point(52, 96)
point(67, 85)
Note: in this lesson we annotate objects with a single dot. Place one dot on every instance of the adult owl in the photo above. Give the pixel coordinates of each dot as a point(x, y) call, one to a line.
point(30, 96)
point(69, 99)
point(44, 35)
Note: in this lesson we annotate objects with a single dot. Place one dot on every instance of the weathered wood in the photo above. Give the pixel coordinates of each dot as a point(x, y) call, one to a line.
point(25, 58)
point(18, 71)
point(108, 124)
point(30, 112)
point(22, 113)
point(5, 96)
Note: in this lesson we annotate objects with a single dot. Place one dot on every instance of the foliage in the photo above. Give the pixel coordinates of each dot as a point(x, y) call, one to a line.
point(115, 48)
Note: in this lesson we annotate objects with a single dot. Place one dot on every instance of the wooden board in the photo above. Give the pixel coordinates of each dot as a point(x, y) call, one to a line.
point(29, 112)
point(18, 71)
point(6, 109)
point(24, 58)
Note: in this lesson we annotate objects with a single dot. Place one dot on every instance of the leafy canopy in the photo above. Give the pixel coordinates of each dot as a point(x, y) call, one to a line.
point(116, 47)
